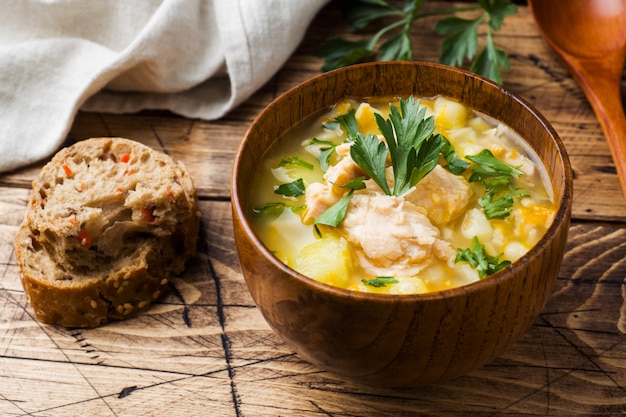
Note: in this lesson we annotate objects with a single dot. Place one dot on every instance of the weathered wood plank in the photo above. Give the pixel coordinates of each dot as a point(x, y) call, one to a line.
point(536, 74)
point(205, 349)
point(36, 388)
point(205, 343)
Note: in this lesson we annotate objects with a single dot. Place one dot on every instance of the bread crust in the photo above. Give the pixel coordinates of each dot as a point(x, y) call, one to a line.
point(91, 254)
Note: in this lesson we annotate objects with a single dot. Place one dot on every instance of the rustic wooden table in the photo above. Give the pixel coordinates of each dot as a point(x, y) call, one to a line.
point(206, 350)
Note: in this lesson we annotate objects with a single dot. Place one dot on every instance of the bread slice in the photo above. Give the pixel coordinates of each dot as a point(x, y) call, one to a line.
point(109, 220)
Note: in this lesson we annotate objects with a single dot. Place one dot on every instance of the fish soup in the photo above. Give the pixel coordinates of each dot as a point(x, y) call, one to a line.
point(400, 196)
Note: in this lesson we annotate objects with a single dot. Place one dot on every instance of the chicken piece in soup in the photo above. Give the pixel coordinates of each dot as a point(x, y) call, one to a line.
point(400, 196)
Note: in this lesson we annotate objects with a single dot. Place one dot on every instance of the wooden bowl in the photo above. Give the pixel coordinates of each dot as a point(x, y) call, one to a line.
point(400, 340)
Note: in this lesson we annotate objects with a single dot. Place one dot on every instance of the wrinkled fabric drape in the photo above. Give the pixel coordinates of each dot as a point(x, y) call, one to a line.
point(197, 58)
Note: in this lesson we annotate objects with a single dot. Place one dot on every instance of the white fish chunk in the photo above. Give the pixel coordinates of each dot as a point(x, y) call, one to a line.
point(442, 194)
point(393, 236)
point(320, 197)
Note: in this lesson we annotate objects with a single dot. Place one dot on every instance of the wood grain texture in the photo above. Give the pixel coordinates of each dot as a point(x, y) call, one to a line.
point(206, 345)
point(537, 74)
point(206, 350)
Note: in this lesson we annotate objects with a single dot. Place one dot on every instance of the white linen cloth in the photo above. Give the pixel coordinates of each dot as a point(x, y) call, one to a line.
point(197, 58)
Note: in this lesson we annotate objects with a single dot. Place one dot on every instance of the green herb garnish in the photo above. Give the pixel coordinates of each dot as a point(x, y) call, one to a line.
point(480, 260)
point(498, 179)
point(275, 209)
point(356, 184)
point(290, 161)
point(492, 172)
point(392, 41)
point(349, 124)
point(292, 189)
point(379, 282)
point(327, 149)
point(410, 142)
point(371, 155)
point(498, 208)
point(270, 209)
point(462, 39)
point(455, 165)
point(334, 214)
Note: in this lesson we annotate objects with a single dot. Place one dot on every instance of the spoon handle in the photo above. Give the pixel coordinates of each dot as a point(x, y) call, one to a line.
point(603, 92)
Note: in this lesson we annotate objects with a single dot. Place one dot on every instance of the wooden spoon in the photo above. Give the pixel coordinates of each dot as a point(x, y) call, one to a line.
point(590, 36)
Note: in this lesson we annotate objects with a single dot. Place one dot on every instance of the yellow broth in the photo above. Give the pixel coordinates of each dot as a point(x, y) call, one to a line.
point(338, 258)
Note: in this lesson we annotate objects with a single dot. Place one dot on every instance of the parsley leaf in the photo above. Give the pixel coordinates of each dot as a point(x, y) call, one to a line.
point(410, 142)
point(270, 209)
point(292, 189)
point(497, 10)
point(349, 124)
point(371, 155)
point(455, 165)
point(392, 38)
point(498, 178)
point(327, 149)
point(340, 52)
point(462, 40)
point(480, 260)
point(519, 193)
point(492, 172)
point(490, 60)
point(498, 208)
point(379, 281)
point(392, 41)
point(334, 214)
point(427, 159)
point(362, 13)
point(289, 161)
point(356, 184)
point(275, 209)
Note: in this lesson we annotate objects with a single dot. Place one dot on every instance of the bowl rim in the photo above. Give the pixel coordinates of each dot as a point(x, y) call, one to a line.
point(561, 218)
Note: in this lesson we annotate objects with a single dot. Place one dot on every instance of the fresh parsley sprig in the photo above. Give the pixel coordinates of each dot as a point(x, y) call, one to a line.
point(461, 42)
point(275, 209)
point(326, 149)
point(291, 161)
point(496, 207)
point(480, 260)
point(498, 178)
point(333, 215)
point(393, 40)
point(371, 155)
point(492, 172)
point(349, 124)
point(409, 141)
point(455, 165)
point(292, 189)
point(379, 282)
